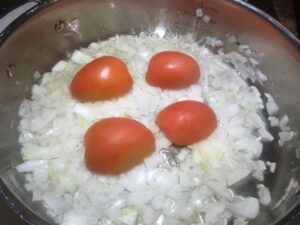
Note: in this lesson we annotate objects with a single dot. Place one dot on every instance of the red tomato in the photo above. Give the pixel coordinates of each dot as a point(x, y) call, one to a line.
point(116, 145)
point(103, 78)
point(187, 122)
point(172, 70)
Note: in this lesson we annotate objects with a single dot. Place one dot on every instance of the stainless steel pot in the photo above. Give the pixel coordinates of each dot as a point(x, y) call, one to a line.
point(53, 29)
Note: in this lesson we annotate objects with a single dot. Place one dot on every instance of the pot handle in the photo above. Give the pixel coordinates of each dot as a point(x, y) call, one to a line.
point(13, 10)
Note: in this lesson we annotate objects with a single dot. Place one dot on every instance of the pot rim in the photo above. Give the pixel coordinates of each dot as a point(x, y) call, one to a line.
point(270, 20)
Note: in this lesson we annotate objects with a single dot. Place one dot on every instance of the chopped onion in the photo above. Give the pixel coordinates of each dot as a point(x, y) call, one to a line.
point(283, 124)
point(72, 218)
point(286, 136)
point(129, 216)
point(272, 166)
point(36, 76)
point(80, 57)
point(237, 175)
point(262, 77)
point(297, 153)
point(83, 111)
point(247, 208)
point(199, 12)
point(271, 106)
point(31, 165)
point(240, 221)
point(206, 18)
point(264, 194)
point(59, 66)
point(52, 128)
point(274, 122)
point(231, 40)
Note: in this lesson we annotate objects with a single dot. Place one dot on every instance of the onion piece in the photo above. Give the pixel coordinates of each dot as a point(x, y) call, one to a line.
point(264, 194)
point(274, 122)
point(199, 12)
point(81, 58)
point(272, 166)
point(247, 208)
point(31, 165)
point(129, 216)
point(59, 66)
point(271, 106)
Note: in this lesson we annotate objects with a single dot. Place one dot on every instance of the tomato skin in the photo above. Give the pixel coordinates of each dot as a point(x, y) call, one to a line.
point(115, 145)
point(104, 78)
point(186, 122)
point(172, 70)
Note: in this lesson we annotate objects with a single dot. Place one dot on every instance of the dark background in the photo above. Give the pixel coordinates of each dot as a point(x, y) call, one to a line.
point(286, 11)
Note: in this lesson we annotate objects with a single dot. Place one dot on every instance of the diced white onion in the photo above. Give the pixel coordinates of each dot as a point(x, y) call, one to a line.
point(59, 66)
point(271, 106)
point(199, 12)
point(297, 151)
point(262, 77)
point(80, 57)
point(83, 111)
point(247, 208)
point(272, 166)
point(31, 165)
point(264, 195)
point(206, 18)
point(165, 188)
point(231, 40)
point(283, 124)
point(274, 122)
point(286, 136)
point(72, 218)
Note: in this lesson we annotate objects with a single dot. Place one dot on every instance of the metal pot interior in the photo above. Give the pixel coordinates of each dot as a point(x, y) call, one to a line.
point(55, 29)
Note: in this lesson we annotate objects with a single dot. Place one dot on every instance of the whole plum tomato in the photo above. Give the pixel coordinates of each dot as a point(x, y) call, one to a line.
point(116, 145)
point(172, 70)
point(186, 122)
point(104, 78)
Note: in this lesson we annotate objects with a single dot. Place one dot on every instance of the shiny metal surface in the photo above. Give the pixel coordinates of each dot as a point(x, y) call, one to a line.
point(40, 41)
